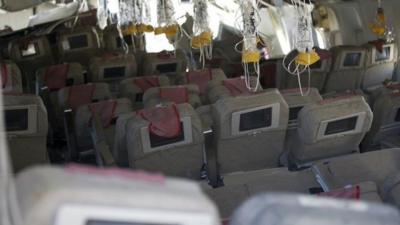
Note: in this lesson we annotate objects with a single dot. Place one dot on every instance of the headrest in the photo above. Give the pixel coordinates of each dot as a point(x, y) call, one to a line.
point(164, 121)
point(381, 53)
point(289, 209)
point(333, 118)
point(77, 39)
point(80, 95)
point(11, 78)
point(89, 195)
point(55, 77)
point(236, 86)
point(145, 83)
point(176, 94)
point(105, 110)
point(199, 78)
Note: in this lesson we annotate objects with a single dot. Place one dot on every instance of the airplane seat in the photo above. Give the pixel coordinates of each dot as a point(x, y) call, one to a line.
point(75, 96)
point(296, 103)
point(176, 94)
point(250, 131)
point(347, 70)
point(78, 45)
point(318, 74)
point(270, 74)
point(201, 78)
point(285, 209)
point(134, 88)
point(26, 128)
point(85, 195)
point(112, 68)
point(231, 87)
point(108, 112)
point(59, 76)
point(380, 66)
point(30, 54)
point(330, 128)
point(165, 63)
point(386, 123)
point(11, 78)
point(166, 139)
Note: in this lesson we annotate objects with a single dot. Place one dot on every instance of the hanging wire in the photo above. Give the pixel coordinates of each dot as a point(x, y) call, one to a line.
point(303, 55)
point(247, 23)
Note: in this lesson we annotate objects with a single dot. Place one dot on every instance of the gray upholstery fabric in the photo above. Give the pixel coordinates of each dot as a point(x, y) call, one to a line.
point(29, 64)
point(151, 60)
point(249, 151)
point(83, 118)
point(111, 38)
point(75, 72)
point(43, 192)
point(152, 97)
point(294, 99)
point(377, 72)
point(384, 124)
point(317, 77)
point(307, 146)
point(128, 89)
point(14, 78)
point(179, 159)
point(216, 90)
point(81, 55)
point(289, 209)
point(28, 149)
point(98, 64)
point(349, 78)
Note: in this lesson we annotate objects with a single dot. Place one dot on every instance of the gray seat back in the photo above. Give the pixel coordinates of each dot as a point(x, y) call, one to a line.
point(347, 69)
point(386, 121)
point(285, 209)
point(330, 128)
point(86, 195)
point(245, 125)
point(165, 63)
point(380, 66)
point(180, 155)
point(78, 45)
point(26, 128)
point(112, 69)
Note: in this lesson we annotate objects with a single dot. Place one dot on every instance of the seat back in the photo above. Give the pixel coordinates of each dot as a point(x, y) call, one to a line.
point(26, 128)
point(175, 94)
point(285, 209)
point(245, 125)
point(31, 54)
point(330, 128)
point(165, 63)
point(112, 68)
point(78, 45)
point(86, 195)
point(296, 103)
point(59, 76)
point(113, 42)
point(318, 74)
point(380, 65)
point(108, 112)
point(386, 121)
point(134, 88)
point(166, 139)
point(347, 70)
point(11, 78)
